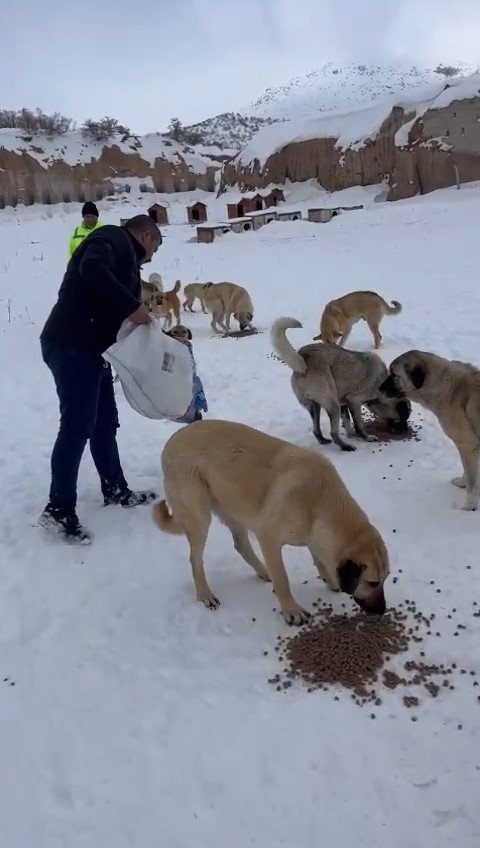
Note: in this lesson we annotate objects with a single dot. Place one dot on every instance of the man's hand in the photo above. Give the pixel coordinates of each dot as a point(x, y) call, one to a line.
point(140, 316)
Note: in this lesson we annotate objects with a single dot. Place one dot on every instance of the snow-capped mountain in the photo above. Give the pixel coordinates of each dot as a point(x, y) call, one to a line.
point(343, 87)
point(326, 88)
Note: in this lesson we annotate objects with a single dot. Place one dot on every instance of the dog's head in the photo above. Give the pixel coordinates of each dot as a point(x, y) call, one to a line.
point(157, 303)
point(244, 319)
point(363, 574)
point(180, 332)
point(331, 325)
point(407, 376)
point(394, 413)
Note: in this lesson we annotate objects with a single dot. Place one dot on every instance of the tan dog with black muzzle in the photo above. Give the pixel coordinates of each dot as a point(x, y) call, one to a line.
point(284, 495)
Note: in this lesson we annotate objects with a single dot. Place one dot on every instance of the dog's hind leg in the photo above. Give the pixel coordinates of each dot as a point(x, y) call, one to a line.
point(333, 411)
point(196, 524)
point(314, 410)
point(243, 546)
point(373, 325)
point(346, 421)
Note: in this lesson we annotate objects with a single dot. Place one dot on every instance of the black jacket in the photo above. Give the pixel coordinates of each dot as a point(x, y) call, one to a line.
point(101, 288)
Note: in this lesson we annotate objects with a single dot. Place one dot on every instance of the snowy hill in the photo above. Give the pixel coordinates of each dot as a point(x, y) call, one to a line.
point(230, 130)
point(333, 87)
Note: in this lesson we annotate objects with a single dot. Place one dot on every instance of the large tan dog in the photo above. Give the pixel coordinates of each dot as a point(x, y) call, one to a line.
point(340, 315)
point(166, 305)
point(191, 291)
point(285, 495)
point(224, 300)
point(451, 390)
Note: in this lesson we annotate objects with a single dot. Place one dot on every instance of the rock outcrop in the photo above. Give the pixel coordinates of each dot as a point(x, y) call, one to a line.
point(416, 150)
point(33, 171)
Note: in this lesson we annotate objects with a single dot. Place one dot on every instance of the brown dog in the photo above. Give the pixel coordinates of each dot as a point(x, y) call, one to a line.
point(451, 390)
point(191, 291)
point(224, 300)
point(151, 289)
point(285, 495)
point(340, 315)
point(166, 304)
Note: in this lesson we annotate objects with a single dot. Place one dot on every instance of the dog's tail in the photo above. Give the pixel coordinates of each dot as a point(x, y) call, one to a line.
point(282, 346)
point(165, 520)
point(393, 310)
point(177, 287)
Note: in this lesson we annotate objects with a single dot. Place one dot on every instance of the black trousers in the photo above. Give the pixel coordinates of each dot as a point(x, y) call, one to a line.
point(88, 412)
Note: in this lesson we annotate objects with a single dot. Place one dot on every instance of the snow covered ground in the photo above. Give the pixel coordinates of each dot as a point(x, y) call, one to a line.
point(132, 716)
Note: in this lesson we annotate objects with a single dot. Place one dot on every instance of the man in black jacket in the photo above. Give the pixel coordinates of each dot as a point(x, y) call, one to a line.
point(100, 289)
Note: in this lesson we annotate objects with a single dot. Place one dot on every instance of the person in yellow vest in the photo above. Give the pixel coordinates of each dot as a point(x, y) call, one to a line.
point(89, 223)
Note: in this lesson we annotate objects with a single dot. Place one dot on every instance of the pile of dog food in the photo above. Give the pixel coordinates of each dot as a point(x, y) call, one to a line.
point(379, 429)
point(352, 651)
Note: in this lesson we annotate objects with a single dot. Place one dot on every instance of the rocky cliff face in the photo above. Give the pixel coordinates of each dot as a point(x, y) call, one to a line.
point(33, 171)
point(415, 154)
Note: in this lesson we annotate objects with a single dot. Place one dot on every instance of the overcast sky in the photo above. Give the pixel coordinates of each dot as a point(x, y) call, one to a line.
point(147, 61)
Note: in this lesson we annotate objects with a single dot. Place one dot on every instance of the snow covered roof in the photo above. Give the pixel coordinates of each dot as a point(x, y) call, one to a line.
point(354, 128)
point(242, 220)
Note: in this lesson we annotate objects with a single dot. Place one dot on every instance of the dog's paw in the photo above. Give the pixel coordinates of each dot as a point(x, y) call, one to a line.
point(345, 447)
point(372, 439)
point(459, 482)
point(264, 575)
point(210, 601)
point(470, 505)
point(296, 617)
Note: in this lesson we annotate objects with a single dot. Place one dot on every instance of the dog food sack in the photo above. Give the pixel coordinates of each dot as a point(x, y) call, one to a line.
point(156, 371)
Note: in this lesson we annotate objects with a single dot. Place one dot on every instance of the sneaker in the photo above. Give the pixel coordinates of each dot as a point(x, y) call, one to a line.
point(127, 498)
point(64, 523)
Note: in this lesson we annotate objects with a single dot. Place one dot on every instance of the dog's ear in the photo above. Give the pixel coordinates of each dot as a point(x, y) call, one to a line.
point(189, 334)
point(349, 576)
point(417, 375)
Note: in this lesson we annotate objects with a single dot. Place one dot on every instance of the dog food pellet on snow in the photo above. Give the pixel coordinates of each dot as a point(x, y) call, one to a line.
point(350, 651)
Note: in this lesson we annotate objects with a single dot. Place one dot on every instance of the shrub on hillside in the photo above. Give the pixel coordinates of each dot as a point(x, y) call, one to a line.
point(35, 121)
point(104, 129)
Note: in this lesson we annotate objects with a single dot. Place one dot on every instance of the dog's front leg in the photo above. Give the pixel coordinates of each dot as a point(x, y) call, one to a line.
point(292, 612)
point(470, 462)
point(356, 410)
point(324, 573)
point(345, 336)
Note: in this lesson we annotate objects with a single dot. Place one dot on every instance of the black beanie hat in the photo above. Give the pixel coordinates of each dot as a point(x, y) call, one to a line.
point(89, 208)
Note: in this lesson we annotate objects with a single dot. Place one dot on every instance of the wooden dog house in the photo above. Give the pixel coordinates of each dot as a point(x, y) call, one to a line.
point(288, 215)
point(265, 216)
point(197, 213)
point(240, 225)
point(322, 215)
point(248, 203)
point(158, 213)
point(275, 197)
point(206, 233)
